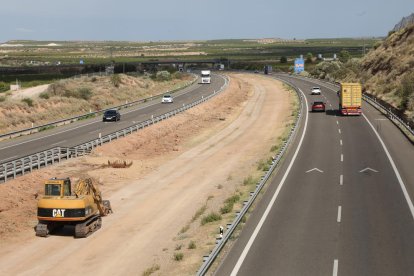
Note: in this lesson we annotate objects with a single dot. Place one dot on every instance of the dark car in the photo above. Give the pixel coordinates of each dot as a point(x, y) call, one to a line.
point(111, 115)
point(318, 106)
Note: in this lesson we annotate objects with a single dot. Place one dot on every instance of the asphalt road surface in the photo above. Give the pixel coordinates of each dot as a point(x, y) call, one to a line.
point(340, 204)
point(86, 130)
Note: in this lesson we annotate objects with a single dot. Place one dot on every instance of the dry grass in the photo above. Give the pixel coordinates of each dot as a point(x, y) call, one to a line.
point(67, 98)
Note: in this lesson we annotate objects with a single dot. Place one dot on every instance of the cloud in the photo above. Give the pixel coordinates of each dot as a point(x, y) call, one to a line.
point(24, 30)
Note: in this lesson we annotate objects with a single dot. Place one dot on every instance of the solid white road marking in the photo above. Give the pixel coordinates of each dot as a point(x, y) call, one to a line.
point(341, 179)
point(338, 218)
point(342, 157)
point(272, 201)
point(335, 268)
point(314, 169)
point(368, 169)
point(397, 173)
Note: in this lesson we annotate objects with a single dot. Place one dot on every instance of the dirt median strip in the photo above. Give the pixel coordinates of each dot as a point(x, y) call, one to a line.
point(184, 172)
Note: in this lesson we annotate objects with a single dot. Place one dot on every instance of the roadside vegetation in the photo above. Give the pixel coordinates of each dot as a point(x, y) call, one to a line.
point(72, 97)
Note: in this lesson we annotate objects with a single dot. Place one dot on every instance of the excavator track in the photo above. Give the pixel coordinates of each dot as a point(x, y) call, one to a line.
point(42, 230)
point(84, 229)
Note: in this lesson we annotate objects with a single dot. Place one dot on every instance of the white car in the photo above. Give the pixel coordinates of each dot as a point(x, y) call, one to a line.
point(167, 99)
point(316, 91)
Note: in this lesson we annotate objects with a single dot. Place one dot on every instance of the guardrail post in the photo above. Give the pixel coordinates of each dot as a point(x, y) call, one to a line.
point(5, 173)
point(23, 169)
point(31, 163)
point(14, 169)
point(45, 152)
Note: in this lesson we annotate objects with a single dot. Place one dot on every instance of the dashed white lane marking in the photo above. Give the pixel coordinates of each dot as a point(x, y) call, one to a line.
point(63, 141)
point(337, 122)
point(340, 142)
point(335, 268)
point(339, 130)
point(338, 218)
point(342, 157)
point(341, 179)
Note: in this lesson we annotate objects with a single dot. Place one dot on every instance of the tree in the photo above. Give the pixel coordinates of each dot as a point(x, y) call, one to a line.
point(283, 59)
point(309, 58)
point(344, 56)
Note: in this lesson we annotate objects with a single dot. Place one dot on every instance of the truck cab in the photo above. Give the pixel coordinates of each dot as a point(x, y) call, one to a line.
point(205, 76)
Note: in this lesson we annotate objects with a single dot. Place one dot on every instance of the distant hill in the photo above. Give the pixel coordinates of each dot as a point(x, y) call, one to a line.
point(405, 22)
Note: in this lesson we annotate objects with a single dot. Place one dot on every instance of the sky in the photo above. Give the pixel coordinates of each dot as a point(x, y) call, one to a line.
point(158, 20)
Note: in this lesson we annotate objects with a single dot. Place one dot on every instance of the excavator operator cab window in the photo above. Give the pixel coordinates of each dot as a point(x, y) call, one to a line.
point(66, 188)
point(52, 189)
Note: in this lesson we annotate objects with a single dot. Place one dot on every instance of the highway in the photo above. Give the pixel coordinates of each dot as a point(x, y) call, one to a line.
point(339, 205)
point(86, 130)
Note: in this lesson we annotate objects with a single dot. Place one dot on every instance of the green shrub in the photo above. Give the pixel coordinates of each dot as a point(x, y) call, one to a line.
point(192, 245)
point(116, 80)
point(44, 95)
point(178, 256)
point(283, 59)
point(199, 213)
point(84, 93)
point(93, 79)
point(210, 218)
point(151, 270)
point(28, 101)
point(3, 86)
point(163, 76)
point(406, 90)
point(2, 99)
point(249, 181)
point(229, 204)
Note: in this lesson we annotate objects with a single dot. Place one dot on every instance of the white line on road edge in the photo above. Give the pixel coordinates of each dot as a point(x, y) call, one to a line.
point(272, 201)
point(341, 179)
point(338, 218)
point(394, 167)
point(342, 157)
point(335, 268)
point(340, 142)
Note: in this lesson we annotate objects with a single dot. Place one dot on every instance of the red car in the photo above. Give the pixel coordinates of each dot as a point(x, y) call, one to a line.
point(318, 106)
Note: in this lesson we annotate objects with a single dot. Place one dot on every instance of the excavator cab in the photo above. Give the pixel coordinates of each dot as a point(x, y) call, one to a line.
point(58, 187)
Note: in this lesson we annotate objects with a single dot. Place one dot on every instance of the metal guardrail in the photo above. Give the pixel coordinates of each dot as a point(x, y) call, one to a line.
point(26, 164)
point(38, 160)
point(393, 117)
point(36, 129)
point(220, 242)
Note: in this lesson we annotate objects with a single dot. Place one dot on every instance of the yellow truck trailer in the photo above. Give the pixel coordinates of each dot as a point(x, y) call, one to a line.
point(350, 98)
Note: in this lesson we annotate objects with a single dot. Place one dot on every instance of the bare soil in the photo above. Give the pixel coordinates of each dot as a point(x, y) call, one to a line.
point(196, 159)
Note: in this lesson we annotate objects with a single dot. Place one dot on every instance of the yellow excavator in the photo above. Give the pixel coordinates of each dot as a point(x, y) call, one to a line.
point(59, 207)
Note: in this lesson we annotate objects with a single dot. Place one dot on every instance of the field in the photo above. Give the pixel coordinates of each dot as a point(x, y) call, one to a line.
point(18, 53)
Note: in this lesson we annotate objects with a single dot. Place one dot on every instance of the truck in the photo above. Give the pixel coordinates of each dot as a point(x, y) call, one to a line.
point(350, 98)
point(83, 209)
point(206, 76)
point(267, 69)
